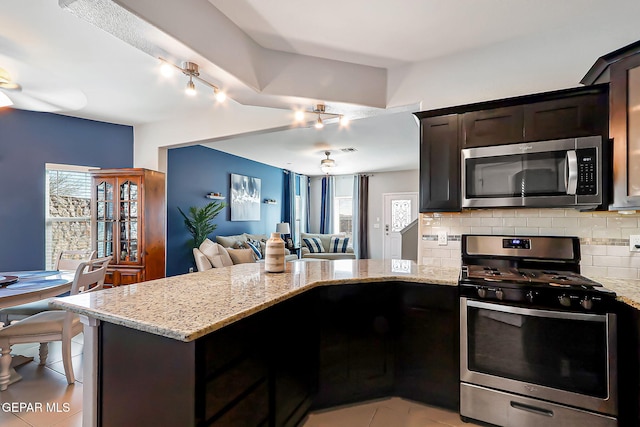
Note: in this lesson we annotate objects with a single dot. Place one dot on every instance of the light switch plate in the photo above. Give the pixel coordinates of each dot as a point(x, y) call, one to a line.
point(634, 243)
point(442, 238)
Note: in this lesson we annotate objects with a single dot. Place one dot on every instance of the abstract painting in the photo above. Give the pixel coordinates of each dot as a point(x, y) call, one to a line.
point(245, 198)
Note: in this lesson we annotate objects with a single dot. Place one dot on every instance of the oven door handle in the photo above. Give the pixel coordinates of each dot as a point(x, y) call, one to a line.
point(571, 175)
point(538, 313)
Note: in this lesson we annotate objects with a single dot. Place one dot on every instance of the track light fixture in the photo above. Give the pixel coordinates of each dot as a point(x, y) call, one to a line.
point(322, 114)
point(192, 70)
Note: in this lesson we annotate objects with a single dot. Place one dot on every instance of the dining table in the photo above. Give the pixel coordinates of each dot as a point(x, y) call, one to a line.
point(21, 287)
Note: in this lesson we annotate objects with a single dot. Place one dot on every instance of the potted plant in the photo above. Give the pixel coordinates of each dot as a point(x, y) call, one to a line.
point(199, 222)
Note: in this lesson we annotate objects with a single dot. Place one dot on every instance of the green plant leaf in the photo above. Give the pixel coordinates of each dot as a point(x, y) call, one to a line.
point(199, 221)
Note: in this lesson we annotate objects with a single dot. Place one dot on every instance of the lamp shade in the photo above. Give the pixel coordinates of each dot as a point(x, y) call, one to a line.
point(283, 228)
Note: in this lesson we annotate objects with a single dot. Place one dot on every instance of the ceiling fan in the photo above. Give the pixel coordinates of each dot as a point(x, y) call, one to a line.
point(6, 84)
point(46, 99)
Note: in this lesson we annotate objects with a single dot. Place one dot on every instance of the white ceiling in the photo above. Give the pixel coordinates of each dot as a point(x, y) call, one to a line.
point(277, 53)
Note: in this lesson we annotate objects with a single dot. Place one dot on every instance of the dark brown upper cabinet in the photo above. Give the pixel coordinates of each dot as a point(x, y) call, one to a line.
point(568, 113)
point(621, 68)
point(439, 164)
point(572, 117)
point(493, 127)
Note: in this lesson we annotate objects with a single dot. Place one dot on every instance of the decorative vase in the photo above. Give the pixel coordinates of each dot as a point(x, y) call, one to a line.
point(274, 254)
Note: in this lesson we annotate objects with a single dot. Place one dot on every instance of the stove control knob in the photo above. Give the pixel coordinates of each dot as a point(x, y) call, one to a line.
point(482, 292)
point(565, 300)
point(587, 303)
point(529, 296)
point(499, 294)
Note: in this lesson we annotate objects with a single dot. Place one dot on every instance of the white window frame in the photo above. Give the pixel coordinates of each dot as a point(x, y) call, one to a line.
point(49, 256)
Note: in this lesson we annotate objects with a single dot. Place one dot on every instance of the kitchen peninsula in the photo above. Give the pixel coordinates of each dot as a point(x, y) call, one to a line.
point(238, 346)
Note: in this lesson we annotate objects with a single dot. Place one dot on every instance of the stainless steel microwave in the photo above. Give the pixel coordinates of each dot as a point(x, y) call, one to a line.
point(555, 174)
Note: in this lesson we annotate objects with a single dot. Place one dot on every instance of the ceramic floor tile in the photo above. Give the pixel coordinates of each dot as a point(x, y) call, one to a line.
point(386, 416)
point(73, 421)
point(77, 367)
point(48, 388)
point(7, 419)
point(55, 351)
point(354, 416)
point(390, 412)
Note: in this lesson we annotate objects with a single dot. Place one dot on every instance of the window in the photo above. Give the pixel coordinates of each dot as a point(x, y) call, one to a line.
point(344, 215)
point(68, 210)
point(343, 205)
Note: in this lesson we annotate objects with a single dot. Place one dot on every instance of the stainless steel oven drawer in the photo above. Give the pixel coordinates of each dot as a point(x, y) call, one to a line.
point(510, 410)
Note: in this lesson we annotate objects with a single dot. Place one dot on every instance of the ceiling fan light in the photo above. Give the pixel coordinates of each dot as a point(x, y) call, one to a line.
point(191, 88)
point(344, 121)
point(326, 165)
point(319, 124)
point(5, 101)
point(299, 115)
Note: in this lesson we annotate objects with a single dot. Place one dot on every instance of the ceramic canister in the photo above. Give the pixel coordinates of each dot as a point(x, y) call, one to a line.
point(274, 254)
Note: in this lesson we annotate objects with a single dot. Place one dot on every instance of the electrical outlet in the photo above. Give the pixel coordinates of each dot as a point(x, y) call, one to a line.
point(442, 238)
point(634, 243)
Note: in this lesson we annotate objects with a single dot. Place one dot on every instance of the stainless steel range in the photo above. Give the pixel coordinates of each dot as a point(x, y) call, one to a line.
point(537, 339)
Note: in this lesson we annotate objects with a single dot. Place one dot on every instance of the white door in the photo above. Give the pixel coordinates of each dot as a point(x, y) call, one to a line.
point(400, 209)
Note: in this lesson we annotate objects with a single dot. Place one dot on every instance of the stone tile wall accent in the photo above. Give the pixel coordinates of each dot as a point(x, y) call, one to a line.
point(604, 236)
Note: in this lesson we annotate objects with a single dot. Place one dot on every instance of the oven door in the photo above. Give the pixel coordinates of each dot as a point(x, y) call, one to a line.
point(558, 356)
point(560, 173)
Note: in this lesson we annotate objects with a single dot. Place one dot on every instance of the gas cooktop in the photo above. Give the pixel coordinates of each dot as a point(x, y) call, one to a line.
point(559, 278)
point(529, 270)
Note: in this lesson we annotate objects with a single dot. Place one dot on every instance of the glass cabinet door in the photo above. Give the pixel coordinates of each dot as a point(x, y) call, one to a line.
point(104, 218)
point(128, 223)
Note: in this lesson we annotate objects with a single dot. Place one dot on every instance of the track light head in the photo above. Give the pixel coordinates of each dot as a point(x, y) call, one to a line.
point(220, 95)
point(191, 88)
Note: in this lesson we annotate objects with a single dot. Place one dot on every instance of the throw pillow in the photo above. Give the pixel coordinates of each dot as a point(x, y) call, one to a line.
point(255, 247)
point(314, 244)
point(339, 244)
point(241, 256)
point(215, 253)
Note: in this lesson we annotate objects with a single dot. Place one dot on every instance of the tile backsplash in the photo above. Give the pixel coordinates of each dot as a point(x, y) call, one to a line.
point(604, 236)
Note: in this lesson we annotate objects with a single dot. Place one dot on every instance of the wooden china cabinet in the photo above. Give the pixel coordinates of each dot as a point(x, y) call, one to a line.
point(128, 211)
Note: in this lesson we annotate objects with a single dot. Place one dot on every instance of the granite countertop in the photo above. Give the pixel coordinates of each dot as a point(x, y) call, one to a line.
point(189, 306)
point(628, 290)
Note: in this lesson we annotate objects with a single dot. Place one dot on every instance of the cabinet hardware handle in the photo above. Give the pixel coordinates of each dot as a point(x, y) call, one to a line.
point(532, 409)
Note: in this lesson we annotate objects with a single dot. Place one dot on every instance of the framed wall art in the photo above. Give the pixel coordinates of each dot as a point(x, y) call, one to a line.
point(245, 198)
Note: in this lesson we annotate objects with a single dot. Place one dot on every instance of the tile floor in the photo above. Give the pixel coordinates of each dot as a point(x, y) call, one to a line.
point(391, 412)
point(61, 404)
point(48, 385)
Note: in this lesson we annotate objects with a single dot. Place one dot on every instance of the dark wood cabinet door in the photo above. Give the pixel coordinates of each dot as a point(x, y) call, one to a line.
point(427, 357)
point(294, 352)
point(440, 164)
point(356, 355)
point(628, 330)
point(625, 125)
point(570, 117)
point(492, 127)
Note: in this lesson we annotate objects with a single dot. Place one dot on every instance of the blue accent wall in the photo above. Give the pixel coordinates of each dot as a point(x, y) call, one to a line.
point(192, 172)
point(28, 140)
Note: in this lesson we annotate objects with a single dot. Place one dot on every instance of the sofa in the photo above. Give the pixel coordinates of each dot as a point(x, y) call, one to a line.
point(326, 246)
point(230, 250)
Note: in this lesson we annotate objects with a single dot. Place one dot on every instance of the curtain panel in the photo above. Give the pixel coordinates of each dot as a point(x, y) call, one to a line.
point(361, 216)
point(326, 206)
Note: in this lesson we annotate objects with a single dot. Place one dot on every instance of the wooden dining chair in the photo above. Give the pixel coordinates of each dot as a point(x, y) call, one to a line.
point(70, 259)
point(55, 325)
point(66, 261)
